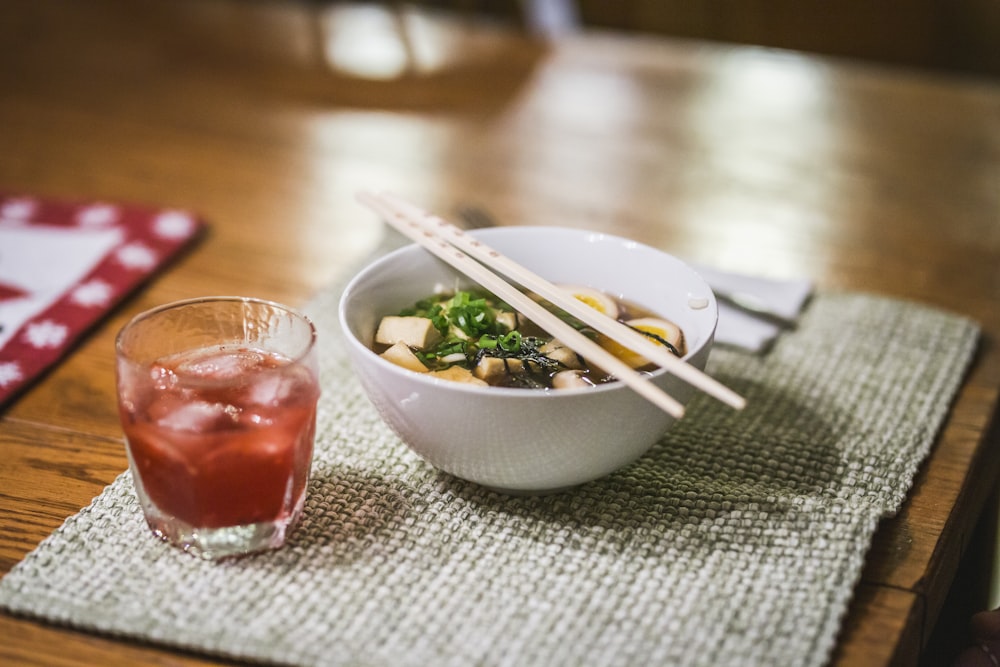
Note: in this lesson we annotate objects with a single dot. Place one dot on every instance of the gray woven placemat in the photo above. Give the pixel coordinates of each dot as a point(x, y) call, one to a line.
point(738, 539)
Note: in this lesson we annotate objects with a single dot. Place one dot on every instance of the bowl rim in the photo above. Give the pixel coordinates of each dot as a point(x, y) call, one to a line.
point(551, 394)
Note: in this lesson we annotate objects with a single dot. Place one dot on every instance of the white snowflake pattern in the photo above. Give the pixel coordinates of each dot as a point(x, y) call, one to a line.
point(92, 293)
point(173, 225)
point(136, 255)
point(10, 373)
point(46, 333)
point(97, 215)
point(19, 209)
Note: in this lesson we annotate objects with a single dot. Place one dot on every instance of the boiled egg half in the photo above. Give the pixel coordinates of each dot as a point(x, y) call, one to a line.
point(596, 299)
point(655, 329)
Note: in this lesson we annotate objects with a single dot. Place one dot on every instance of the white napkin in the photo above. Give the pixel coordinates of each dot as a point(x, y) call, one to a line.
point(785, 298)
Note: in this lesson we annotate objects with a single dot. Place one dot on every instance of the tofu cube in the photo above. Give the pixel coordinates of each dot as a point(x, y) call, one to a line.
point(507, 319)
point(459, 374)
point(556, 351)
point(569, 380)
point(401, 355)
point(492, 368)
point(418, 332)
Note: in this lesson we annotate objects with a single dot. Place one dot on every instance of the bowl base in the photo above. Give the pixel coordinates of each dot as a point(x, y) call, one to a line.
point(530, 492)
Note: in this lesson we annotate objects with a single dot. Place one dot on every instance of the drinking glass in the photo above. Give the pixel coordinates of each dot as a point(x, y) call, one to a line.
point(217, 398)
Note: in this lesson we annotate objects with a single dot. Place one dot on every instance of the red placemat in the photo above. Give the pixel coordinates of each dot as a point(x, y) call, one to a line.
point(64, 265)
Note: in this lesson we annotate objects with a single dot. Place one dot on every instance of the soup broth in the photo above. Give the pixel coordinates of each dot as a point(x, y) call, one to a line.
point(470, 336)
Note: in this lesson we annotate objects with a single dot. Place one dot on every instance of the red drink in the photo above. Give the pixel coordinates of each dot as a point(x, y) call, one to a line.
point(223, 437)
point(218, 404)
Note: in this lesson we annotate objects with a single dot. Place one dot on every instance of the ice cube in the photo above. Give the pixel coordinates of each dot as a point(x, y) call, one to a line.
point(193, 416)
point(220, 363)
point(269, 389)
point(162, 377)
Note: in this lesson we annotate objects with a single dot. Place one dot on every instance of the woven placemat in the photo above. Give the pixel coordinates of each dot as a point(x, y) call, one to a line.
point(738, 539)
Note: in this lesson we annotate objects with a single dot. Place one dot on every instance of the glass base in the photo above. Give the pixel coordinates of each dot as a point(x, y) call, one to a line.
point(226, 542)
point(222, 542)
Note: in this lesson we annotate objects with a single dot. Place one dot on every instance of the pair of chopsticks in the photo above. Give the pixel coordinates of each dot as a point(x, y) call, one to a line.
point(484, 264)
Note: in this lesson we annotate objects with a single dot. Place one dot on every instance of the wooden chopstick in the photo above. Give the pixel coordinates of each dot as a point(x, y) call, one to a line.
point(413, 226)
point(558, 296)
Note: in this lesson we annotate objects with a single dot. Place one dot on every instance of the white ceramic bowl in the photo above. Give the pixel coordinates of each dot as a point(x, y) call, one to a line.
point(528, 440)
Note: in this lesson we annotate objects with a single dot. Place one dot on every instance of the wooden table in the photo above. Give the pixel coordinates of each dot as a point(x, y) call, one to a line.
point(776, 163)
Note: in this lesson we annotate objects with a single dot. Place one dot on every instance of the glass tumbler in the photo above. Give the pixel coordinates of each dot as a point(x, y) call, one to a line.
point(217, 398)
